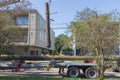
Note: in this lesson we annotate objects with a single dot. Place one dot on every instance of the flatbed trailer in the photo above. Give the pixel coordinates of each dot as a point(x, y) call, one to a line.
point(73, 69)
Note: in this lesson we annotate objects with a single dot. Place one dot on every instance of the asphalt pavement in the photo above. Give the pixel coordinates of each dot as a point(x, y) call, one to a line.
point(52, 73)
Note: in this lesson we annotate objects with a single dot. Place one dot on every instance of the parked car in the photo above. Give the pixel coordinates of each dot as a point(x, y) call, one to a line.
point(68, 53)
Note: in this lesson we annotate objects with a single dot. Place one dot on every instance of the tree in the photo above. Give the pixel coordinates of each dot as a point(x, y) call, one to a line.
point(6, 23)
point(96, 32)
point(62, 43)
point(8, 29)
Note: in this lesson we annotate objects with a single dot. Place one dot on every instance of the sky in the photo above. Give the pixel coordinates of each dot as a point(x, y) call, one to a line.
point(64, 11)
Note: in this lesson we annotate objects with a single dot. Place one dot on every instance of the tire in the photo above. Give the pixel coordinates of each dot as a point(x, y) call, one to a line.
point(83, 70)
point(91, 72)
point(115, 69)
point(119, 68)
point(73, 72)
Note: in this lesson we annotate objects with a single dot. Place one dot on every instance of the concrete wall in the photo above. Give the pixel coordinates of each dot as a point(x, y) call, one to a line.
point(21, 50)
point(52, 37)
point(32, 28)
point(36, 36)
point(37, 31)
point(26, 50)
point(40, 31)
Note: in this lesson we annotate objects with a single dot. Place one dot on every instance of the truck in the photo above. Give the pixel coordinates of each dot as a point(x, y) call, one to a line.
point(74, 69)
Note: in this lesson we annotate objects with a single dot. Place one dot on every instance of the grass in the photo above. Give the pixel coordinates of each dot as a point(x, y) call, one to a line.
point(41, 78)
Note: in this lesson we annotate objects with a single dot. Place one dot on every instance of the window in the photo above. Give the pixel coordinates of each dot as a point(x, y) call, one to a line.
point(32, 52)
point(22, 20)
point(42, 23)
point(36, 52)
point(40, 36)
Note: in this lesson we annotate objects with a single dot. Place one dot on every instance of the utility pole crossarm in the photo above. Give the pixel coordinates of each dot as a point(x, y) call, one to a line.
point(8, 2)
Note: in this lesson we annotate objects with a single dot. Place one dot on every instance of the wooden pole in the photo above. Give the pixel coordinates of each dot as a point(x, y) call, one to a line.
point(37, 58)
point(48, 41)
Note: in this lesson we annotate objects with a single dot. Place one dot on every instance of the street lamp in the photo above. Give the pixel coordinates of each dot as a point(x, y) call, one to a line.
point(74, 43)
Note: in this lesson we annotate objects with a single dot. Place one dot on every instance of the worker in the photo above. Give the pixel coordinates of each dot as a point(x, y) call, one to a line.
point(18, 65)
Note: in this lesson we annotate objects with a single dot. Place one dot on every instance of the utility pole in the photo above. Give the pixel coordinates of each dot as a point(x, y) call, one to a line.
point(48, 40)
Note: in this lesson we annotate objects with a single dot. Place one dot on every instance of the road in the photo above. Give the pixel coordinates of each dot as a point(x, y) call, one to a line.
point(52, 73)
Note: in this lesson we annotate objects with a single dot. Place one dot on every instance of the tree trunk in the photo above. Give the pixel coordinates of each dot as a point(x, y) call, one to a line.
point(61, 51)
point(101, 77)
point(102, 67)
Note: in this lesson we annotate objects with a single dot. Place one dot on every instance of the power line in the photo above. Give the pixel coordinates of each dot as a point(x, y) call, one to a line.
point(60, 28)
point(54, 28)
point(60, 24)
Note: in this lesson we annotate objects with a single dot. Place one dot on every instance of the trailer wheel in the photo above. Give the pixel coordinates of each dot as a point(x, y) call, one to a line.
point(119, 68)
point(91, 72)
point(83, 70)
point(73, 72)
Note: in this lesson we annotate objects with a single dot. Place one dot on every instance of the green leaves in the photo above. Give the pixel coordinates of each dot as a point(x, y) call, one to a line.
point(93, 29)
point(62, 42)
point(97, 32)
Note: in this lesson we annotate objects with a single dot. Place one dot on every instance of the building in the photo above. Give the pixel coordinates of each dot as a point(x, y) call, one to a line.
point(32, 26)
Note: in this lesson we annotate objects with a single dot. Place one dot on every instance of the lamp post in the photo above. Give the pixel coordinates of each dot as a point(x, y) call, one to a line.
point(74, 45)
